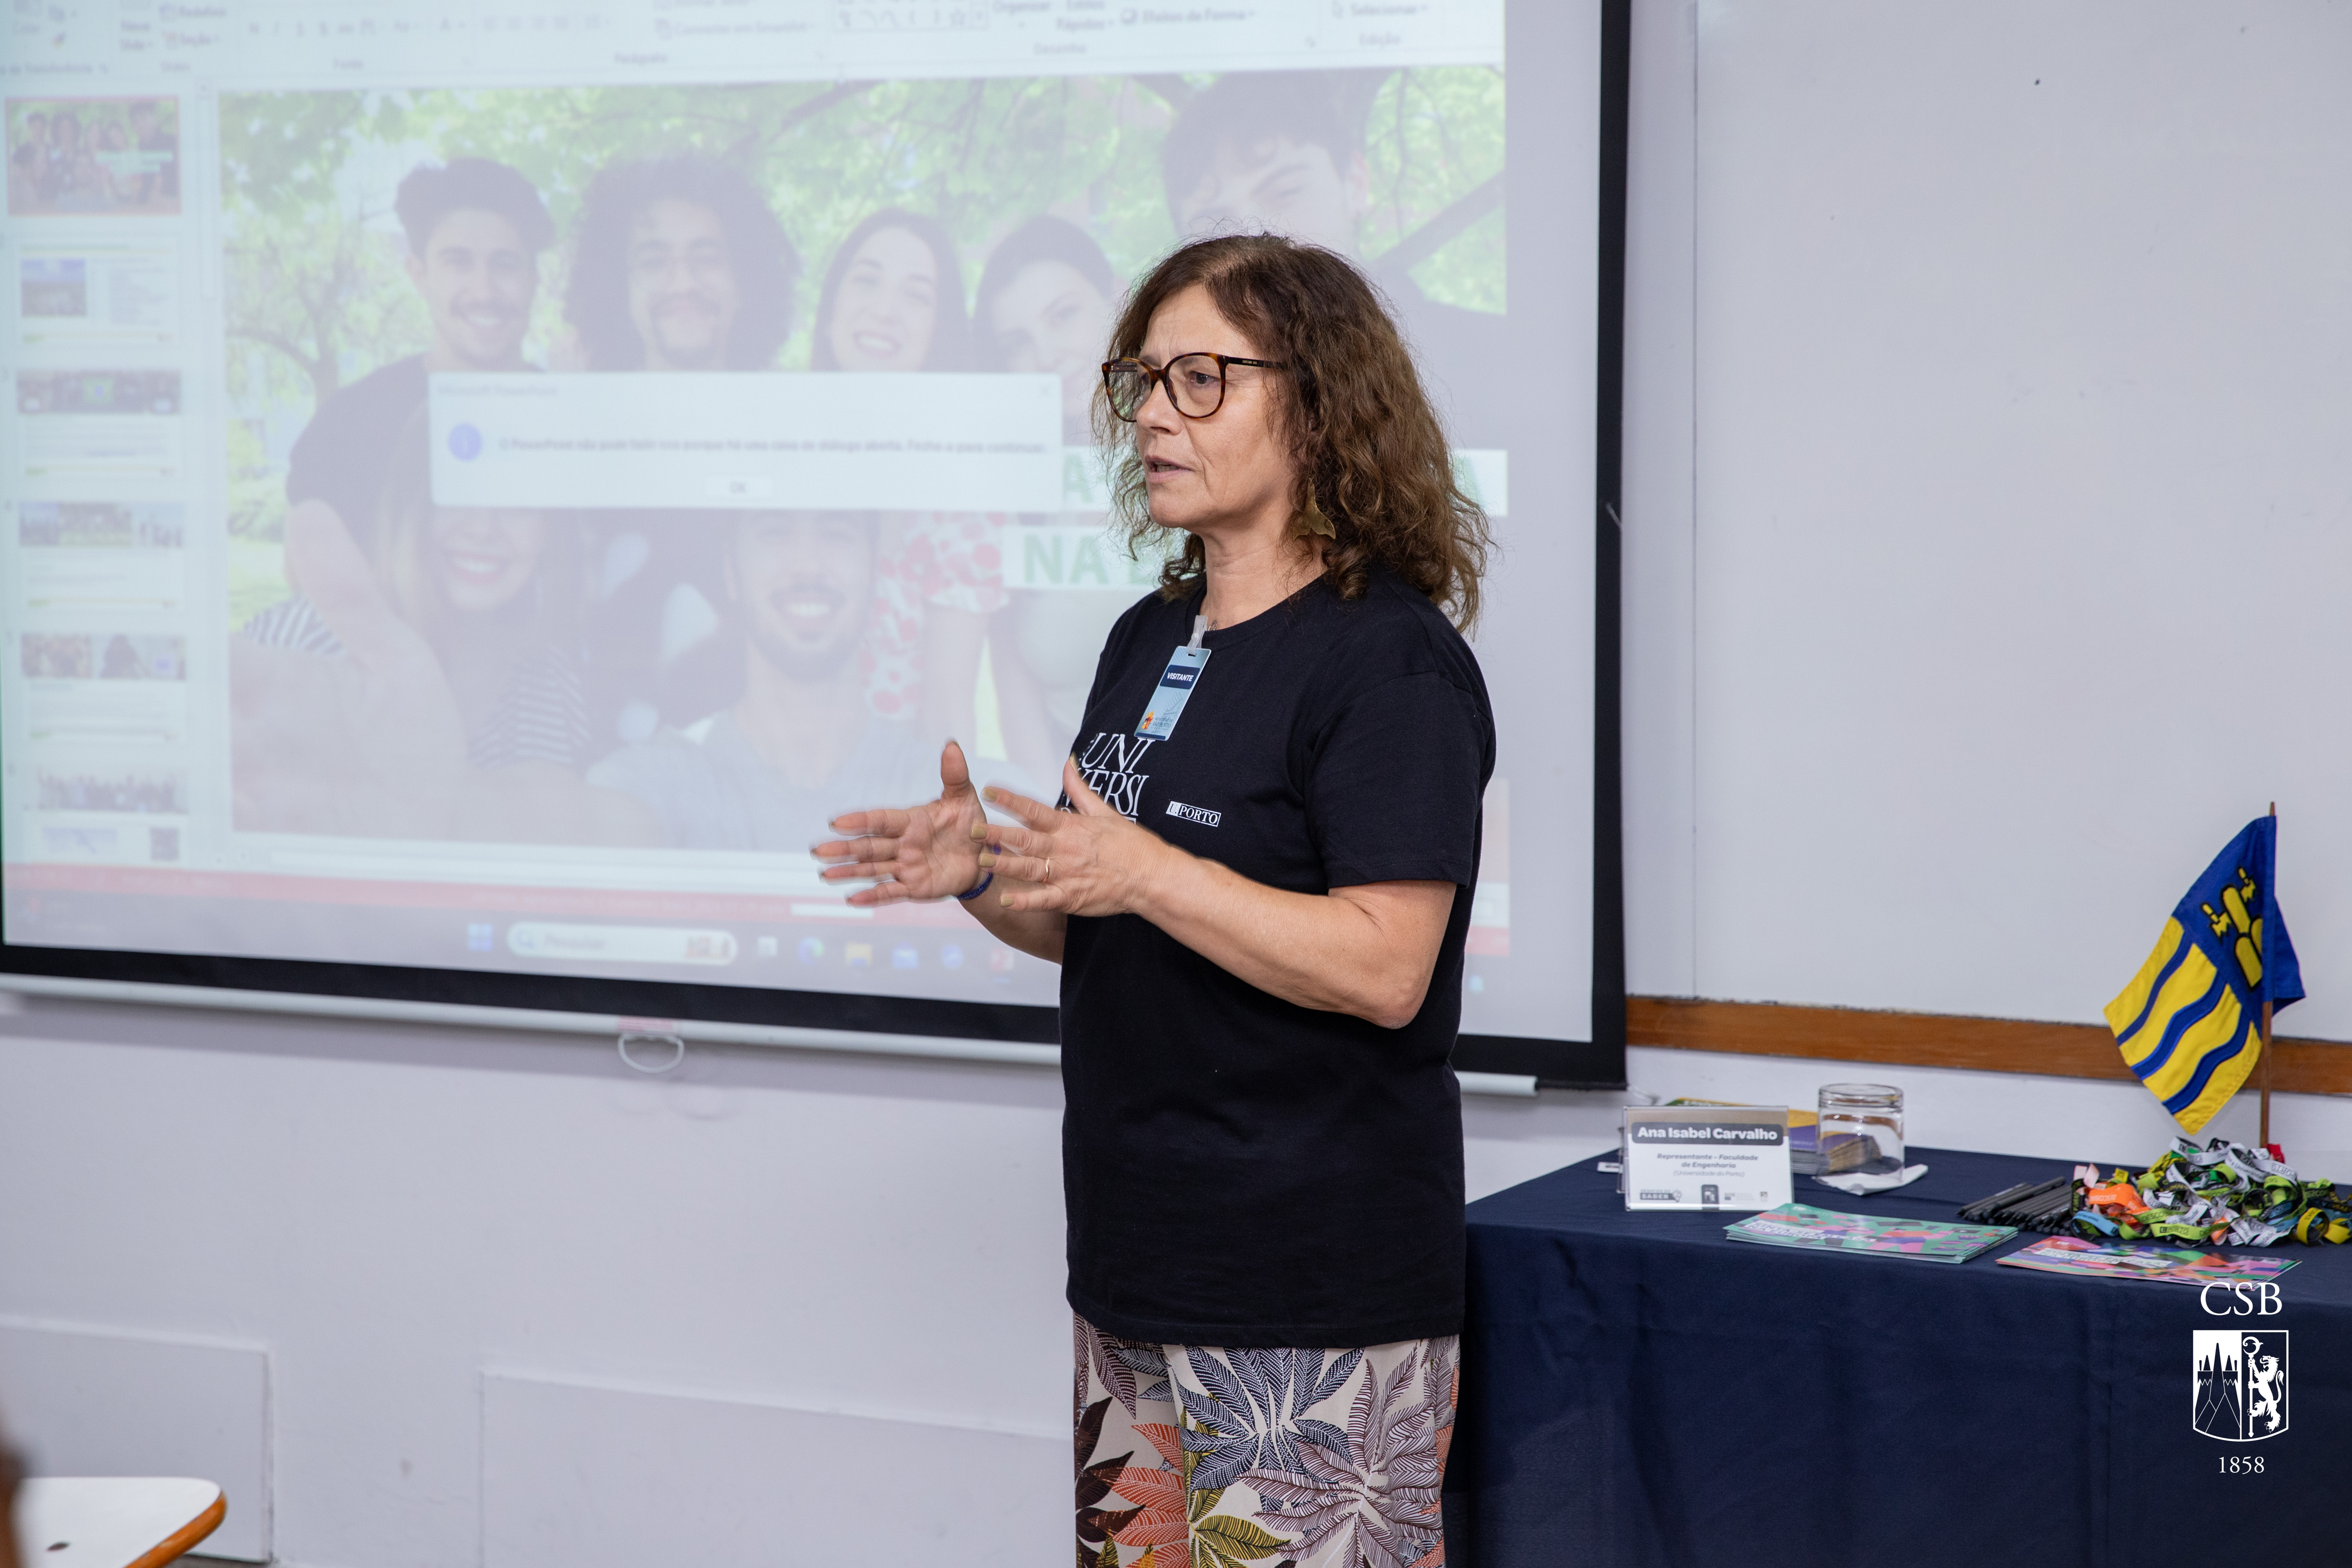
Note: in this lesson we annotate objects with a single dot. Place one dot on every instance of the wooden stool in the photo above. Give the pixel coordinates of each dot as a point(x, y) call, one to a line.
point(111, 1522)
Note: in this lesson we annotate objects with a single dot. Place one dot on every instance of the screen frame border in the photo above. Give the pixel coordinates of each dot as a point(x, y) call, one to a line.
point(1596, 1063)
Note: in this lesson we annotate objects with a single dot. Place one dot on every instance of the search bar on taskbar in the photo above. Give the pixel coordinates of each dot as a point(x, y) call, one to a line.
point(621, 945)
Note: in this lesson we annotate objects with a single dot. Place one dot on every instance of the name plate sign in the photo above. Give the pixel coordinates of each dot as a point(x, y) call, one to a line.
point(1706, 1157)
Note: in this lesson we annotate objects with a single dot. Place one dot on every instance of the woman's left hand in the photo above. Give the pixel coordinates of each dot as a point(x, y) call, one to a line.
point(1087, 860)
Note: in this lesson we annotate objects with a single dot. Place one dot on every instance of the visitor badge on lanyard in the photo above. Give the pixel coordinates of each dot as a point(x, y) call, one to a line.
point(1175, 689)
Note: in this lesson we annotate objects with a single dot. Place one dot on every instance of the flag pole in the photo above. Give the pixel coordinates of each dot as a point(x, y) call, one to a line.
point(2266, 1075)
point(2266, 1018)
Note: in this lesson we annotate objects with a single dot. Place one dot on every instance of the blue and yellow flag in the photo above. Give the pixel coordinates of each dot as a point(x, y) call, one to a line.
point(2190, 1021)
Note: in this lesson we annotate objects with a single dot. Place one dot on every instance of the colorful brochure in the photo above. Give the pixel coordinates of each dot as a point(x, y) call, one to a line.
point(1826, 1230)
point(2178, 1265)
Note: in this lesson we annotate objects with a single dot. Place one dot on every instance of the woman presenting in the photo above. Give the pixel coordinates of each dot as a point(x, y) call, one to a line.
point(1258, 891)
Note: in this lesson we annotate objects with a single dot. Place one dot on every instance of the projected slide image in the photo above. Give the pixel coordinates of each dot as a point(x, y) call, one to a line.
point(111, 686)
point(99, 422)
point(119, 655)
point(523, 485)
point(101, 555)
point(572, 422)
point(55, 287)
point(98, 293)
point(69, 841)
point(86, 155)
point(81, 392)
point(100, 525)
point(118, 790)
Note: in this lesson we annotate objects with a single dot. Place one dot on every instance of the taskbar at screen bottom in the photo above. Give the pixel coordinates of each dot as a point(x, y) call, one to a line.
point(939, 954)
point(930, 972)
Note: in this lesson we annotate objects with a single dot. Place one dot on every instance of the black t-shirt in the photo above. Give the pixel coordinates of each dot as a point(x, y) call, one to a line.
point(1240, 1169)
point(343, 456)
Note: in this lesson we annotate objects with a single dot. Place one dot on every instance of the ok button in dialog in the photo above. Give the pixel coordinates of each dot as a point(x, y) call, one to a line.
point(744, 486)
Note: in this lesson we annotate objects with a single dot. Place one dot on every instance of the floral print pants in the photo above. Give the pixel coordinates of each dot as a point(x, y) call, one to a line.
point(1192, 1457)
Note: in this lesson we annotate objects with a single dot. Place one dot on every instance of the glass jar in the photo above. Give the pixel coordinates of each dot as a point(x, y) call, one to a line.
point(1872, 1112)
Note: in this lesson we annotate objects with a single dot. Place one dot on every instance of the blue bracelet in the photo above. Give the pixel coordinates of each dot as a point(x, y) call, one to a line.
point(977, 888)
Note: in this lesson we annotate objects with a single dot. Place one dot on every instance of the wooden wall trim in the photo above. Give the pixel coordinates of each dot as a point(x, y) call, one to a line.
point(1936, 1040)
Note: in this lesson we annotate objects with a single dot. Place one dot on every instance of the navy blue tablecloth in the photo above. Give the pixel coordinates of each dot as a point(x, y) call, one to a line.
point(1638, 1390)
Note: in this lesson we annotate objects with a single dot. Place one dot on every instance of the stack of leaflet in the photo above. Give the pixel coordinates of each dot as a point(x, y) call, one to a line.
point(1809, 1156)
point(2111, 1260)
point(1826, 1230)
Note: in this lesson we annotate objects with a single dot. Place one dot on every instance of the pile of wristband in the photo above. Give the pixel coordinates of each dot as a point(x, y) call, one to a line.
point(2224, 1194)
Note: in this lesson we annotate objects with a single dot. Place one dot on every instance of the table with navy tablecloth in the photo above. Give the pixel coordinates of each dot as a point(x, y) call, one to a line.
point(1638, 1390)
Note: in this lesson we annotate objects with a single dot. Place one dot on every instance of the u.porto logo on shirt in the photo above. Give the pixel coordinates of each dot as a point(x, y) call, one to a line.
point(1108, 762)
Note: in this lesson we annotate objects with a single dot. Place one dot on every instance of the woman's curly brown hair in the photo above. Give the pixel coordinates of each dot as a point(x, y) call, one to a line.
point(1370, 453)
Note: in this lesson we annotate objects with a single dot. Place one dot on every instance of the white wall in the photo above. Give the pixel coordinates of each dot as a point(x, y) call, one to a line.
point(828, 1255)
point(1979, 359)
point(2020, 492)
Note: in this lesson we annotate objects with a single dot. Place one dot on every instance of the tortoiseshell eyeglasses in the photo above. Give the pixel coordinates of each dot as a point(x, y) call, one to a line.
point(1195, 382)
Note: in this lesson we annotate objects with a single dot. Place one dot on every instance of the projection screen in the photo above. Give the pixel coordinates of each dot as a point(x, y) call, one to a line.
point(486, 483)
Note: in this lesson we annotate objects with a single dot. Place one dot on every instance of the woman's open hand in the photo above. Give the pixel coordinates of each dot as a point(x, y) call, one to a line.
point(929, 851)
point(1087, 860)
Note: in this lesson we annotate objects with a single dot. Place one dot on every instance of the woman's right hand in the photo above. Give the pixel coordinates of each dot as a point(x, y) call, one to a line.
point(925, 852)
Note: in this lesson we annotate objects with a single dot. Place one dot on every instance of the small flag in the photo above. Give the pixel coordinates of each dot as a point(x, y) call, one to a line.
point(2189, 1024)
